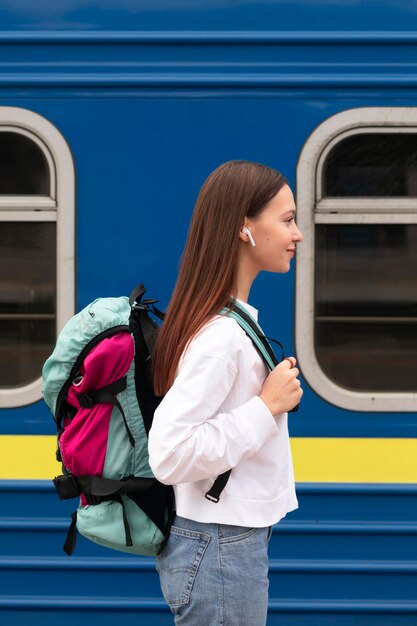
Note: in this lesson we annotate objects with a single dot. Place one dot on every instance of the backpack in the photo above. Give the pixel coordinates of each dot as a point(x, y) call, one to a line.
point(97, 385)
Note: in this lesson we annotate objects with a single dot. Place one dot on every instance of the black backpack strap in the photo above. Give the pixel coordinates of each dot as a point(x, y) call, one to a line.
point(143, 307)
point(149, 331)
point(107, 394)
point(137, 294)
point(96, 488)
point(217, 487)
point(71, 540)
point(157, 312)
point(128, 536)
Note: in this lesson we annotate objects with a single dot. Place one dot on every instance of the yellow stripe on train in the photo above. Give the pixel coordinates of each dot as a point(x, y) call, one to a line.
point(341, 460)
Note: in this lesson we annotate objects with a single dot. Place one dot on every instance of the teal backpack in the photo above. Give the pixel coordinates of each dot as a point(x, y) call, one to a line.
point(98, 387)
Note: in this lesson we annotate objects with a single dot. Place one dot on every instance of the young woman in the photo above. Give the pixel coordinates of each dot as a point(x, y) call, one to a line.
point(221, 408)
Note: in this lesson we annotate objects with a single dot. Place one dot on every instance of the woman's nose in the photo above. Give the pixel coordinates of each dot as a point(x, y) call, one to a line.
point(298, 235)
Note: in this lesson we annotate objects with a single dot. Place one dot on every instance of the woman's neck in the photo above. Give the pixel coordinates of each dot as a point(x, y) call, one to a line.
point(245, 277)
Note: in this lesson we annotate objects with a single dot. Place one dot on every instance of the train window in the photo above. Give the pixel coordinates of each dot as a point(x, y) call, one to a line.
point(356, 309)
point(365, 305)
point(23, 166)
point(27, 300)
point(36, 249)
point(372, 165)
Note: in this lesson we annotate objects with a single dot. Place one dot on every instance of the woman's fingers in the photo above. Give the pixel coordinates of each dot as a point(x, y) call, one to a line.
point(291, 360)
point(281, 390)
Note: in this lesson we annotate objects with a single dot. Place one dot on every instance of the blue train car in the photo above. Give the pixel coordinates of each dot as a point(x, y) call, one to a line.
point(112, 114)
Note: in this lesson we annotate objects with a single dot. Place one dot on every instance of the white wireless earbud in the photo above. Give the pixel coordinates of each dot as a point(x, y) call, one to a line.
point(246, 230)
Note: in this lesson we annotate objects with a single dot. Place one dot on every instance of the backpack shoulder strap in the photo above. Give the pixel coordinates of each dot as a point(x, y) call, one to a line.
point(253, 330)
point(255, 333)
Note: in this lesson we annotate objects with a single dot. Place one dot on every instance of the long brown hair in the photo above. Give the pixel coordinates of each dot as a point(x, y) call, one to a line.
point(208, 271)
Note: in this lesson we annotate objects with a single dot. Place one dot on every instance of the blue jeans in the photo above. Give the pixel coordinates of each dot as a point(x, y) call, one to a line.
point(215, 574)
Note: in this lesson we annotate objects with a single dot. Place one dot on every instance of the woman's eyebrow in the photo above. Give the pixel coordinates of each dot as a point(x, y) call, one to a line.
point(289, 212)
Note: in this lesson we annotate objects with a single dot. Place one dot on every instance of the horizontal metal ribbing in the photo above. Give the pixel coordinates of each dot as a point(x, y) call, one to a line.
point(213, 80)
point(76, 563)
point(27, 485)
point(302, 488)
point(346, 527)
point(148, 565)
point(34, 524)
point(343, 566)
point(345, 607)
point(210, 37)
point(324, 527)
point(77, 603)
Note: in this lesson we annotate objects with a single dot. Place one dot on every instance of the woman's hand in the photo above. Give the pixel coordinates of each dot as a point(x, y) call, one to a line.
point(281, 390)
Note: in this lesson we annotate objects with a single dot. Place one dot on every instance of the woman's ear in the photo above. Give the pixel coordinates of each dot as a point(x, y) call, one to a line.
point(245, 231)
point(243, 234)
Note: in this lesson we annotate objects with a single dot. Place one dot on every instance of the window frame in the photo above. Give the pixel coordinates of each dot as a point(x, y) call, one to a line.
point(312, 209)
point(59, 207)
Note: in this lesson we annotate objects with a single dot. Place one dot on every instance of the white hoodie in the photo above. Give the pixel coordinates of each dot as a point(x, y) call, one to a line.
point(211, 420)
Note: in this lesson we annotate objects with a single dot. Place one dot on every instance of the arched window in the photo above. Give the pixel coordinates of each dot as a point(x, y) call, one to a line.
point(24, 167)
point(356, 322)
point(36, 249)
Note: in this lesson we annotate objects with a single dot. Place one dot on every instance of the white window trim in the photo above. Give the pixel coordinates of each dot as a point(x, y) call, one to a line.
point(312, 210)
point(59, 207)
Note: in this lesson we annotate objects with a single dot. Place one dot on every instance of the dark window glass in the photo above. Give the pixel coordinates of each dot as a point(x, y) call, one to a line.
point(23, 167)
point(372, 165)
point(366, 306)
point(27, 299)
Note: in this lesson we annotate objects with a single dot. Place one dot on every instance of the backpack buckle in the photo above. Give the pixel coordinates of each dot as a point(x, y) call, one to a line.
point(144, 305)
point(214, 499)
point(85, 401)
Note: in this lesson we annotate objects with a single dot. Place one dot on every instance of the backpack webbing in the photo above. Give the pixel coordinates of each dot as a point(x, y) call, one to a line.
point(260, 342)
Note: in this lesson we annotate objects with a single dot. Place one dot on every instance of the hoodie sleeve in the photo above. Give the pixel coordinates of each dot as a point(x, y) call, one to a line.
point(191, 438)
